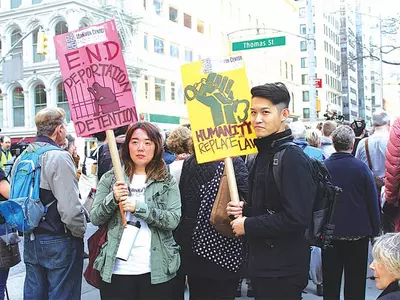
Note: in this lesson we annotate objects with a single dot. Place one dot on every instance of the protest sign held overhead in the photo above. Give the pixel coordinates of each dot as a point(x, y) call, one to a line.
point(95, 78)
point(217, 95)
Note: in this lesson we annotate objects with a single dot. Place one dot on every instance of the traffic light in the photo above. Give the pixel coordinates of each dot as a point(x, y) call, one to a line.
point(41, 43)
point(318, 102)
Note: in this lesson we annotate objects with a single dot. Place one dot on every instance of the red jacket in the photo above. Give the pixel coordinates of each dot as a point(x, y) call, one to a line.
point(392, 181)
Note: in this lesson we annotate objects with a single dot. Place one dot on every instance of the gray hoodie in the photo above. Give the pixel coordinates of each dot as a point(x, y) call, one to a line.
point(327, 146)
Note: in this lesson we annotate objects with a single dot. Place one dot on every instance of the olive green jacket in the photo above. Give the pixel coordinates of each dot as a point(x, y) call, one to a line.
point(161, 211)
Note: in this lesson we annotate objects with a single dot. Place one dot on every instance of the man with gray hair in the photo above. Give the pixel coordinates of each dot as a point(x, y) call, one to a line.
point(372, 150)
point(299, 133)
point(356, 219)
point(53, 253)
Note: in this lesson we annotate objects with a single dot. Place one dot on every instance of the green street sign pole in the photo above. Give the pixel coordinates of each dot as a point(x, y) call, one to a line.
point(259, 43)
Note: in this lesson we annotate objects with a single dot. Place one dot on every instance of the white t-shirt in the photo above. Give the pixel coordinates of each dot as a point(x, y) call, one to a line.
point(139, 259)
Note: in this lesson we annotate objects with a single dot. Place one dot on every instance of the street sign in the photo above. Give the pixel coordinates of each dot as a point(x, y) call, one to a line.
point(318, 83)
point(260, 43)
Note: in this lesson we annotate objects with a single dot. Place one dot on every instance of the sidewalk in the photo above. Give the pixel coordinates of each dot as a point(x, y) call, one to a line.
point(15, 288)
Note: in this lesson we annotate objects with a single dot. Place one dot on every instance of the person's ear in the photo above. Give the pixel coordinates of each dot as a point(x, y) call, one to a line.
point(285, 114)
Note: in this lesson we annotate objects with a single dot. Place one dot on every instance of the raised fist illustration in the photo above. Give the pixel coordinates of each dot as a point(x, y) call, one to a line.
point(104, 99)
point(216, 93)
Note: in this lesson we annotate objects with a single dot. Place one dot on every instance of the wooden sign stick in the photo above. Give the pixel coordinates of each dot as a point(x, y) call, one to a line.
point(230, 174)
point(112, 144)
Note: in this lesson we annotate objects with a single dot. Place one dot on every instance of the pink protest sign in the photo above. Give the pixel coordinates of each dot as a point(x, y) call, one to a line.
point(95, 79)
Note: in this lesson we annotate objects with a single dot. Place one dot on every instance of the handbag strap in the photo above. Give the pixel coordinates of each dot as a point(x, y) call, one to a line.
point(368, 156)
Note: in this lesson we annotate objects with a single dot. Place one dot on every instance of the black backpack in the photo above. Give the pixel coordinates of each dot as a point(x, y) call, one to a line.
point(321, 229)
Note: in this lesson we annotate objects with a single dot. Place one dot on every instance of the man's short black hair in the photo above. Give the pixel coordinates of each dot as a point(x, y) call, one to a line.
point(276, 92)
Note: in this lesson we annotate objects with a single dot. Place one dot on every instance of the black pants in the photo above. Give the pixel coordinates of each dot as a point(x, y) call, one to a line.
point(279, 288)
point(350, 256)
point(212, 289)
point(135, 287)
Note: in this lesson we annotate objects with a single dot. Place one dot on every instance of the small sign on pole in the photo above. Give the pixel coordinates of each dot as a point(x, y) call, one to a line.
point(318, 83)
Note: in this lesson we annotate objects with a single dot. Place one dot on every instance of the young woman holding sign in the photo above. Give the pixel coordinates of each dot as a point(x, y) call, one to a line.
point(138, 262)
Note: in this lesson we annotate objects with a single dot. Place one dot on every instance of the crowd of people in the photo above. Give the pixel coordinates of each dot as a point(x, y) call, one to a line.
point(169, 196)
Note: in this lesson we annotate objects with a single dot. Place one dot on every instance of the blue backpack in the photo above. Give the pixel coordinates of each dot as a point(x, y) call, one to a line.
point(24, 210)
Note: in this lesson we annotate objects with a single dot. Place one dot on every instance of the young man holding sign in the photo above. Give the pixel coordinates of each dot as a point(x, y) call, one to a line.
point(274, 219)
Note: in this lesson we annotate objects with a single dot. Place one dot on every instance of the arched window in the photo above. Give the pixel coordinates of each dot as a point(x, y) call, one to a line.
point(1, 109)
point(62, 101)
point(15, 37)
point(40, 98)
point(18, 107)
point(83, 23)
point(61, 27)
point(36, 57)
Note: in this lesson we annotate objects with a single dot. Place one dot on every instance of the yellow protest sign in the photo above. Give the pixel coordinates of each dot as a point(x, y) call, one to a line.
point(217, 96)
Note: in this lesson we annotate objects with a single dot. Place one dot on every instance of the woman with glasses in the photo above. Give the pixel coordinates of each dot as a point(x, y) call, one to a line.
point(149, 195)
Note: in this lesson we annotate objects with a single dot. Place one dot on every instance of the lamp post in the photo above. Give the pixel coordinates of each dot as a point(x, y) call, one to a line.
point(311, 61)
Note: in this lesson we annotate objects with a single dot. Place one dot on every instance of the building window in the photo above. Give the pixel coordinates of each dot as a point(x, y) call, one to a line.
point(303, 46)
point(302, 12)
point(61, 28)
point(200, 26)
point(303, 29)
point(83, 23)
point(286, 70)
point(15, 37)
point(158, 45)
point(157, 7)
point(36, 57)
point(188, 55)
point(173, 14)
point(159, 87)
point(172, 91)
point(304, 79)
point(62, 101)
point(146, 87)
point(291, 72)
point(15, 3)
point(174, 50)
point(187, 20)
point(36, 1)
point(306, 113)
point(306, 96)
point(280, 68)
point(40, 98)
point(1, 109)
point(144, 4)
point(145, 45)
point(18, 107)
point(304, 62)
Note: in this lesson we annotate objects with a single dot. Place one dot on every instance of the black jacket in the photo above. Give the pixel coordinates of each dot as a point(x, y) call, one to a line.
point(392, 292)
point(357, 210)
point(194, 175)
point(276, 221)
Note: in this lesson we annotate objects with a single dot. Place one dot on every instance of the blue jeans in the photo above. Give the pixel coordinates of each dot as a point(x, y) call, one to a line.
point(3, 282)
point(54, 266)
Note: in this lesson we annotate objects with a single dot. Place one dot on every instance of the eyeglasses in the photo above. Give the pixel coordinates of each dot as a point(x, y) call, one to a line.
point(145, 144)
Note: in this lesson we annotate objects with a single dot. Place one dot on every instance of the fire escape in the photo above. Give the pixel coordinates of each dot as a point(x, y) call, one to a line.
point(127, 26)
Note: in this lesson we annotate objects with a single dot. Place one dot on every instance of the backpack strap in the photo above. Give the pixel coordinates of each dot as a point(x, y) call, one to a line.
point(368, 155)
point(276, 169)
